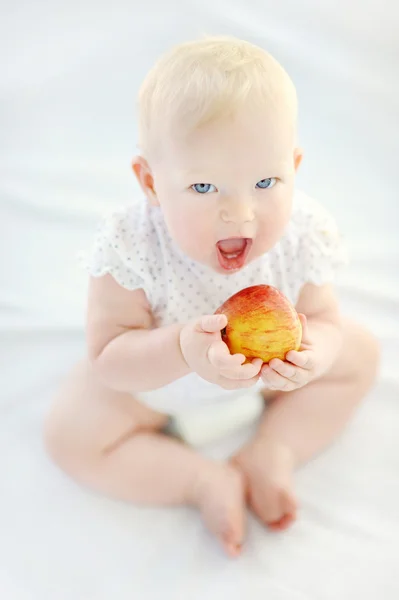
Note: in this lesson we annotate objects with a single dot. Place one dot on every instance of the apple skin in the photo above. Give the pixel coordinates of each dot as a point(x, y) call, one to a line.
point(262, 323)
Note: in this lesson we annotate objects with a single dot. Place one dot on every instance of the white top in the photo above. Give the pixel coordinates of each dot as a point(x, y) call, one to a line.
point(134, 246)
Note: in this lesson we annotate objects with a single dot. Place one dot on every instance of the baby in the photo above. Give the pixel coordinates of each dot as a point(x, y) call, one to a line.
point(217, 164)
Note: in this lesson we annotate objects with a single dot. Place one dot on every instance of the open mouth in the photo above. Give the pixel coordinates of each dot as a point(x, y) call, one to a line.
point(232, 253)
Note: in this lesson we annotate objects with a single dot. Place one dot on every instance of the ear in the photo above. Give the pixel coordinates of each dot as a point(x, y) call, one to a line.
point(145, 178)
point(298, 156)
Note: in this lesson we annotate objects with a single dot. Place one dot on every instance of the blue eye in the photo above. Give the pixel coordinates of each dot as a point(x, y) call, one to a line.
point(203, 188)
point(265, 184)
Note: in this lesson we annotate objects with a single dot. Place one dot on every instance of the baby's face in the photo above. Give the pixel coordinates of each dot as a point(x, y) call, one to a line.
point(226, 189)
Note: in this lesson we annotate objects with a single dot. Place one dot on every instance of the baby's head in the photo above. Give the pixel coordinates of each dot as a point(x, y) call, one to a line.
point(217, 134)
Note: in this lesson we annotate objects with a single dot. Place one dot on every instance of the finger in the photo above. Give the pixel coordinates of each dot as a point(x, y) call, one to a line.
point(283, 368)
point(219, 356)
point(302, 359)
point(276, 381)
point(287, 370)
point(247, 383)
point(237, 384)
point(246, 371)
point(211, 323)
point(305, 329)
point(258, 362)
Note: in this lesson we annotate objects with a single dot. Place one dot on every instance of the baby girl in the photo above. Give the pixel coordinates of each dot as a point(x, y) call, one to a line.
point(220, 212)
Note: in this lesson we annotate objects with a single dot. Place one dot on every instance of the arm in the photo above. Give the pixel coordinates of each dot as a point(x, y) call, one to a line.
point(320, 306)
point(129, 354)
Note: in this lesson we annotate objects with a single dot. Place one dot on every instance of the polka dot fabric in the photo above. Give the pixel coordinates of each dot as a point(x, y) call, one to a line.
point(134, 246)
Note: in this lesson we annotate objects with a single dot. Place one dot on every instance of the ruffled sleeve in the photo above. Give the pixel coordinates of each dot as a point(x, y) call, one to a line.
point(117, 251)
point(321, 251)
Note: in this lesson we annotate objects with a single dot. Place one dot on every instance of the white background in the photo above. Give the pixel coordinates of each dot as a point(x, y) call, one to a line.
point(69, 76)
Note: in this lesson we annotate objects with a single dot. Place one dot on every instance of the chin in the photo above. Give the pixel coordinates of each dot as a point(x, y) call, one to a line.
point(222, 271)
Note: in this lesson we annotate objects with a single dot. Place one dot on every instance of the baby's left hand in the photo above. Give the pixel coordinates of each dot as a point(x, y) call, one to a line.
point(297, 370)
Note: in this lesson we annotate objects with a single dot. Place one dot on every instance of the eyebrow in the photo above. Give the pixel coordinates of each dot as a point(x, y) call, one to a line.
point(271, 170)
point(192, 172)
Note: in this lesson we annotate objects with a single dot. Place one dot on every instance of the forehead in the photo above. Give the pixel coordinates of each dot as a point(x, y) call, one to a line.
point(244, 140)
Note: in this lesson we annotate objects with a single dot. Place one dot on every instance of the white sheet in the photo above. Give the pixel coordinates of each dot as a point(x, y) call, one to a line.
point(67, 90)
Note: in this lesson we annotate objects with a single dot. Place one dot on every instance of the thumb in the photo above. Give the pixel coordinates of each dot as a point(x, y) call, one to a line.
point(305, 328)
point(211, 323)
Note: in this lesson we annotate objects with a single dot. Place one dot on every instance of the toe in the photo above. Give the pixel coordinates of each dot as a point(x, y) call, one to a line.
point(232, 549)
point(284, 523)
point(266, 505)
point(288, 507)
point(275, 507)
point(223, 508)
point(232, 535)
point(288, 502)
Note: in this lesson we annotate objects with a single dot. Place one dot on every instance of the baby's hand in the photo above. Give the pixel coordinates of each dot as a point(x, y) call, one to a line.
point(206, 354)
point(297, 370)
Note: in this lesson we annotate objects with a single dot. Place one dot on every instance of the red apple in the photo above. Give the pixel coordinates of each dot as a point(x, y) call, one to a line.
point(262, 323)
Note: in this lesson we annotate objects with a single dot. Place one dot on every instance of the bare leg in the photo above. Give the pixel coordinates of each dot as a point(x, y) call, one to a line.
point(112, 443)
point(299, 424)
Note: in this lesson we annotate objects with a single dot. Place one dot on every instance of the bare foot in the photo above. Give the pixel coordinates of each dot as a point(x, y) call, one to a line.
point(268, 468)
point(221, 500)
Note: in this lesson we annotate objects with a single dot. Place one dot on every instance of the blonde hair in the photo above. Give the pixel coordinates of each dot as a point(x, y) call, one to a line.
point(200, 81)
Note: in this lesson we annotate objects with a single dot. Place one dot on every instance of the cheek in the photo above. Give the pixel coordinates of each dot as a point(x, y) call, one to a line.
point(178, 217)
point(188, 223)
point(275, 214)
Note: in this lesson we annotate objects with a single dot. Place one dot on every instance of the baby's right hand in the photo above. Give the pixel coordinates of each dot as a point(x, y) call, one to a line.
point(208, 356)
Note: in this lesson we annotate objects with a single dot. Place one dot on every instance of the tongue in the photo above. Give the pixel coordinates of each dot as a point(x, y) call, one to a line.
point(232, 246)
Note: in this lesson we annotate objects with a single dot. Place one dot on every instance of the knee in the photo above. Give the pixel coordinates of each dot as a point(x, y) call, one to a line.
point(368, 347)
point(58, 438)
point(366, 353)
point(79, 434)
point(68, 441)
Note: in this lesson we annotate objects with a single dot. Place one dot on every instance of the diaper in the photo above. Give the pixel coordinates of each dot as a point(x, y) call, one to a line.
point(208, 423)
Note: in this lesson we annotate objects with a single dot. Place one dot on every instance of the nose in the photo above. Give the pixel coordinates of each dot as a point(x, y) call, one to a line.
point(238, 211)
